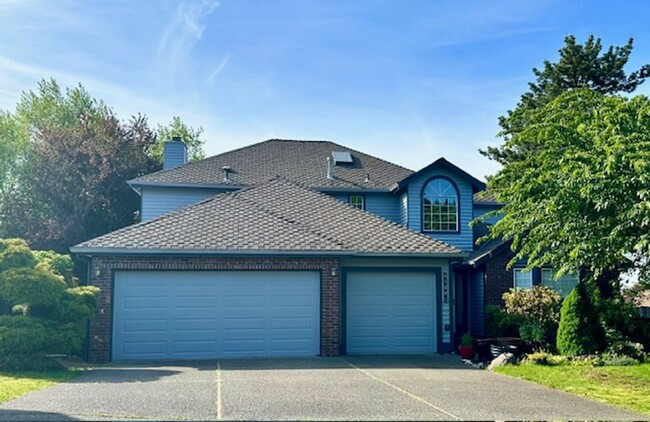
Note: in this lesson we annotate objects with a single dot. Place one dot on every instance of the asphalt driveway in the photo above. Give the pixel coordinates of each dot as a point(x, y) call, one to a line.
point(361, 388)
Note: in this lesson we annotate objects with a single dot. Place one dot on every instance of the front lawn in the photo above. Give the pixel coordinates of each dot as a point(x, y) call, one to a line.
point(15, 384)
point(624, 386)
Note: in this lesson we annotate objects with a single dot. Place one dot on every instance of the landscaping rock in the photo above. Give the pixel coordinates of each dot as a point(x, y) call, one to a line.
point(501, 360)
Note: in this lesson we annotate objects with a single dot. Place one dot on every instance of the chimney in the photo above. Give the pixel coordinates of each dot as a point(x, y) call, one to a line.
point(330, 168)
point(175, 153)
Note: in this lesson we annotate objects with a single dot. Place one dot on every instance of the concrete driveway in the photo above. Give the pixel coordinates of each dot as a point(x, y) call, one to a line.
point(362, 388)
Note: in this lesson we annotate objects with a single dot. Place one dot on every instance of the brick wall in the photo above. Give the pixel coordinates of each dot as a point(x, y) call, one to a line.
point(103, 268)
point(497, 278)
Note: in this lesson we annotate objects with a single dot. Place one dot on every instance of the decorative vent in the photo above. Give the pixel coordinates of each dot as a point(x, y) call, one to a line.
point(342, 157)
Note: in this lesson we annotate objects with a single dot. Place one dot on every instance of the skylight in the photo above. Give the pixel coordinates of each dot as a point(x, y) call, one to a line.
point(341, 157)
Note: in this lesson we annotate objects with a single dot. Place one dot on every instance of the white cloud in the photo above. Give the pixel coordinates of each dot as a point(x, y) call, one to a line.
point(183, 32)
point(213, 75)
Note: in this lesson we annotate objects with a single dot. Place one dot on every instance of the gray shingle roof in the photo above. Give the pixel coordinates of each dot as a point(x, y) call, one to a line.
point(275, 216)
point(485, 197)
point(302, 161)
point(485, 249)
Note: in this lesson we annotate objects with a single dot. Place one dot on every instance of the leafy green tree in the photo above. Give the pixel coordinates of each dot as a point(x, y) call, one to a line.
point(14, 149)
point(190, 136)
point(582, 202)
point(72, 184)
point(579, 66)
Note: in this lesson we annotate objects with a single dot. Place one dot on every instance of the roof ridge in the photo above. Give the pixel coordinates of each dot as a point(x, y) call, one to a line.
point(297, 224)
point(357, 210)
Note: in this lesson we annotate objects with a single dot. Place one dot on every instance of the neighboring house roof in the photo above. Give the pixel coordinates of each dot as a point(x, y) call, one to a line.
point(278, 216)
point(302, 161)
point(486, 198)
point(486, 249)
point(477, 185)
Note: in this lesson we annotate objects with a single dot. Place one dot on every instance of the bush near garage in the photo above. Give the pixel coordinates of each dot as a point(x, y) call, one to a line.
point(39, 314)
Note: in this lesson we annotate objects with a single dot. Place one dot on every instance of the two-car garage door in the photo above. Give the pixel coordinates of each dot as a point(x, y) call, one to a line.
point(209, 314)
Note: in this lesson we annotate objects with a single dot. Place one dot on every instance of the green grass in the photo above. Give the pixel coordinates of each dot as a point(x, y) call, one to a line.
point(623, 386)
point(16, 384)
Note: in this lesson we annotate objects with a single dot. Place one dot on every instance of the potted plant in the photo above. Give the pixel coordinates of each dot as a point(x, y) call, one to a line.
point(467, 350)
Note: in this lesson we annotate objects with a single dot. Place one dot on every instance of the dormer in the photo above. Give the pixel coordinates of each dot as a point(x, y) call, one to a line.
point(438, 201)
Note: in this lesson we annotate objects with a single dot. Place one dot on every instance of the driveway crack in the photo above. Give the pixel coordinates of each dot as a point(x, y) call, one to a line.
point(219, 379)
point(401, 390)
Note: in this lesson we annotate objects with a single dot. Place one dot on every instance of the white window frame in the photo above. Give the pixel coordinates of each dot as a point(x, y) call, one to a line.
point(528, 274)
point(442, 216)
point(550, 281)
point(363, 201)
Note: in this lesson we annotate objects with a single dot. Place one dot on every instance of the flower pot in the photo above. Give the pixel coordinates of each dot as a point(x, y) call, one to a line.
point(467, 352)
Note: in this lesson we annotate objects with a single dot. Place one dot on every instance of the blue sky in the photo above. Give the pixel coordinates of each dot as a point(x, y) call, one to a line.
point(408, 81)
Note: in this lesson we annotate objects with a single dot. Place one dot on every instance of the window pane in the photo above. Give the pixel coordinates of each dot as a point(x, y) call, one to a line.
point(440, 206)
point(523, 279)
point(563, 285)
point(357, 201)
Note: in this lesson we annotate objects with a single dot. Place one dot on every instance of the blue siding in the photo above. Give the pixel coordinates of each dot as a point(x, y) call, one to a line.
point(479, 210)
point(476, 304)
point(404, 209)
point(158, 201)
point(461, 239)
point(385, 205)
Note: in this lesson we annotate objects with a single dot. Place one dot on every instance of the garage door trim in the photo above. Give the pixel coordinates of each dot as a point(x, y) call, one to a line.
point(116, 271)
point(436, 271)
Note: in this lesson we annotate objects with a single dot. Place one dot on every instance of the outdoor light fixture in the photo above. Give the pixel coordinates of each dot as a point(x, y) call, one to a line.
point(333, 271)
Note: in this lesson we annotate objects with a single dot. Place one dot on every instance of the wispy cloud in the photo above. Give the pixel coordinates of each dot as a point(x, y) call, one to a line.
point(213, 75)
point(183, 32)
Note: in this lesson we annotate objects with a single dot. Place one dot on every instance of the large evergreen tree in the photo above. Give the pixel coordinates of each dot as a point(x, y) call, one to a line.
point(579, 66)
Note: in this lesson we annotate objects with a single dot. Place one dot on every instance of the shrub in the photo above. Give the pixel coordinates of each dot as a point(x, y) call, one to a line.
point(532, 333)
point(499, 323)
point(41, 291)
point(545, 358)
point(537, 310)
point(64, 338)
point(580, 331)
point(15, 253)
point(53, 262)
point(21, 335)
point(37, 363)
point(77, 303)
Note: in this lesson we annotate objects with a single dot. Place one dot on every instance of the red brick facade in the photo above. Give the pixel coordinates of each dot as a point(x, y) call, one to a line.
point(103, 268)
point(498, 279)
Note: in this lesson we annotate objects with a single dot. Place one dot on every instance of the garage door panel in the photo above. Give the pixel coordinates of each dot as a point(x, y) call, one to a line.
point(390, 312)
point(153, 349)
point(245, 323)
point(144, 325)
point(196, 314)
point(152, 302)
point(291, 323)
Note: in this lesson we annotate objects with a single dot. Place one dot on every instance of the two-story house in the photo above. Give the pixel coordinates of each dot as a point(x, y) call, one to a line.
point(296, 248)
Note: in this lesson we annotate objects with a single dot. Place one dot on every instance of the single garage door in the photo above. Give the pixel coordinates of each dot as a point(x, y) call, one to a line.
point(390, 313)
point(210, 314)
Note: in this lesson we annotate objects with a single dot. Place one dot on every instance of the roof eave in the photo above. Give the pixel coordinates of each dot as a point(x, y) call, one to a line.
point(226, 186)
point(127, 251)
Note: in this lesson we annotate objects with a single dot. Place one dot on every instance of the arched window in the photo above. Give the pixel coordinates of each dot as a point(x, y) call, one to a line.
point(439, 206)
